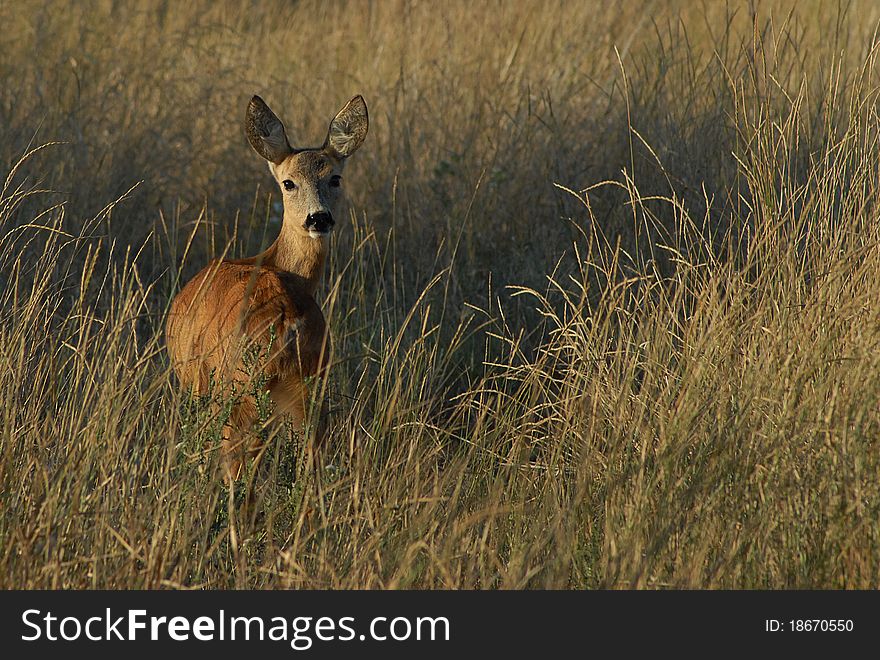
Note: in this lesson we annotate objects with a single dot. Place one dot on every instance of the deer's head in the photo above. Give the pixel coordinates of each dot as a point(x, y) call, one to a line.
point(309, 179)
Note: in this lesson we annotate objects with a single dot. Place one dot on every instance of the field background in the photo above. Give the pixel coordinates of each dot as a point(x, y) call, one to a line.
point(605, 298)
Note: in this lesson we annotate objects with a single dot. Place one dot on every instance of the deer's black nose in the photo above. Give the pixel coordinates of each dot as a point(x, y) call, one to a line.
point(321, 222)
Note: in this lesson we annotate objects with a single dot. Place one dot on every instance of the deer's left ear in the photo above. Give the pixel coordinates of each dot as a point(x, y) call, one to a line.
point(265, 132)
point(348, 129)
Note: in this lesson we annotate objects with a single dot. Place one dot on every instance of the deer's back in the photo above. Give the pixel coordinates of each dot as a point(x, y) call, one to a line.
point(230, 310)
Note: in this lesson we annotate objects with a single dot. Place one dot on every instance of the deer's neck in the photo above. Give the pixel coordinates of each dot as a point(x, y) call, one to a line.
point(299, 254)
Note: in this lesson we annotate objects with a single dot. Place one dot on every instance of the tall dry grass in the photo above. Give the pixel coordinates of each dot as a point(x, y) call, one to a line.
point(605, 304)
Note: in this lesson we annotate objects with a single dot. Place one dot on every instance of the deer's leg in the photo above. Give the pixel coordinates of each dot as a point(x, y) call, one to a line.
point(292, 398)
point(238, 438)
point(231, 453)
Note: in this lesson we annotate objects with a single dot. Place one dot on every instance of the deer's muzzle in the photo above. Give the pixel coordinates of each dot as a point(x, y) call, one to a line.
point(321, 222)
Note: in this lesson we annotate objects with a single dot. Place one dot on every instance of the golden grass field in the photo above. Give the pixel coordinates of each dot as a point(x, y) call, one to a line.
point(604, 300)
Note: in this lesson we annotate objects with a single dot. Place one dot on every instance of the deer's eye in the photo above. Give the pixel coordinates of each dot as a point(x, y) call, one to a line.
point(288, 184)
point(335, 181)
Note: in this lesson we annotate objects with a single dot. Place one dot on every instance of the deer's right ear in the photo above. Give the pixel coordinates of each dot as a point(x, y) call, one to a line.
point(348, 128)
point(265, 132)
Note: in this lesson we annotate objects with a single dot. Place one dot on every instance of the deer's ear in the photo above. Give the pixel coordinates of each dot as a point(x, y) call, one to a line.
point(348, 129)
point(265, 132)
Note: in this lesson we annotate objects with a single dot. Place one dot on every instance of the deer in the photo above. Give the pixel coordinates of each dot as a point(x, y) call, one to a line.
point(267, 301)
